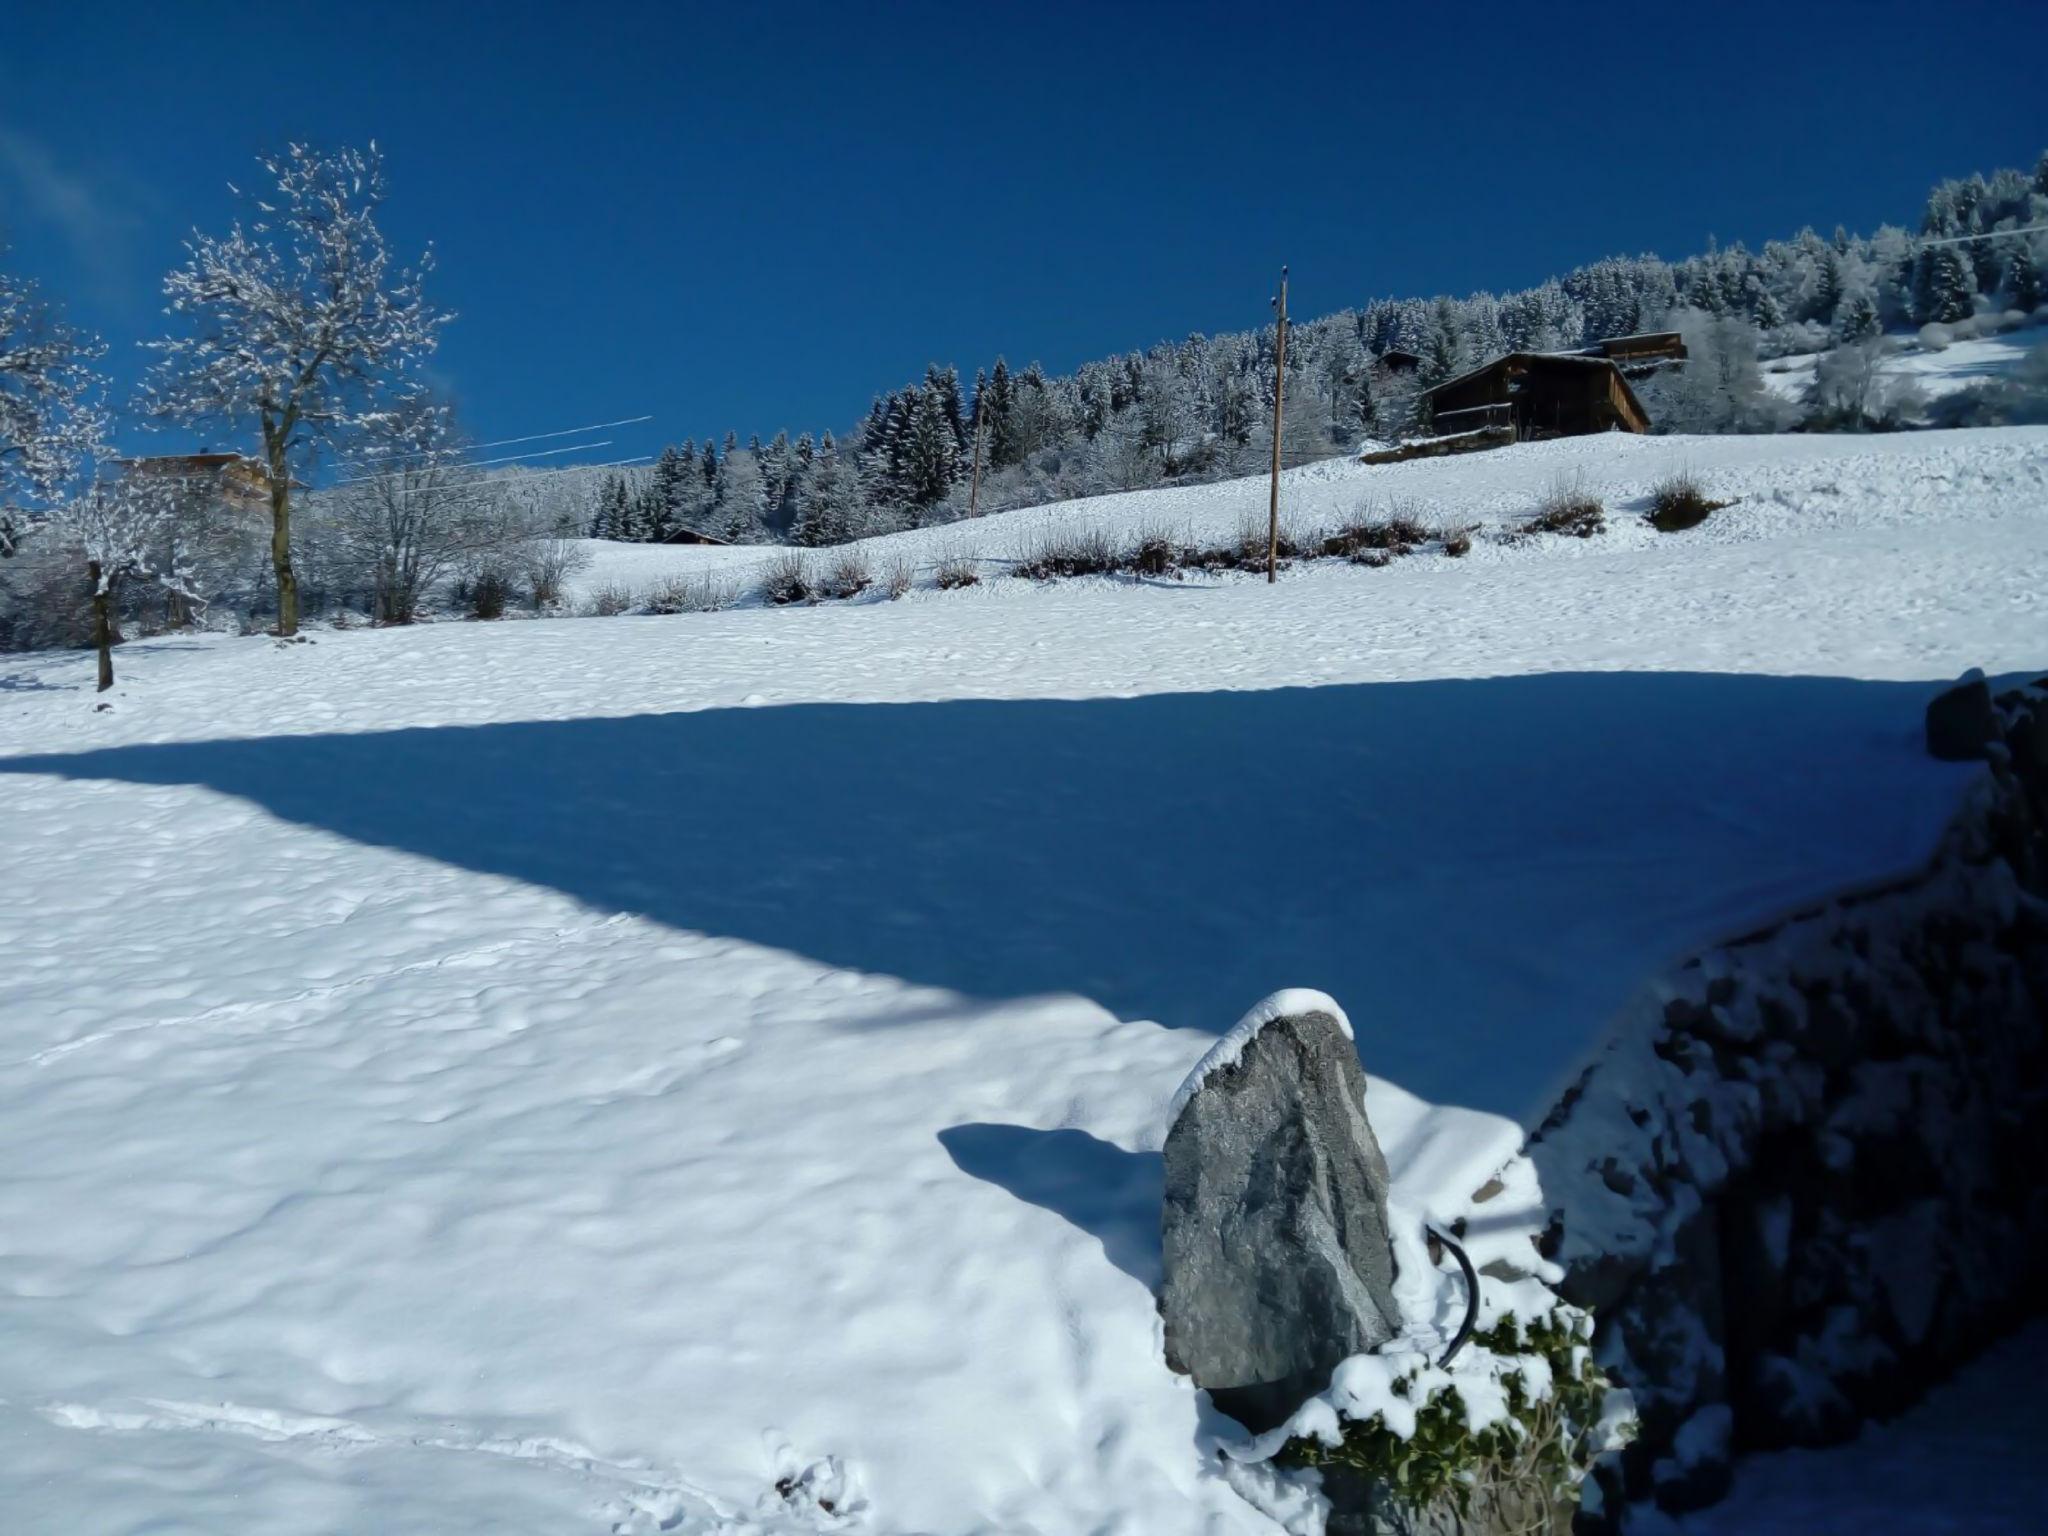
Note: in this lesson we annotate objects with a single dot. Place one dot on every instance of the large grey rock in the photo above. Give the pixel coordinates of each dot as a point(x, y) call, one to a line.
point(1278, 1264)
point(1960, 720)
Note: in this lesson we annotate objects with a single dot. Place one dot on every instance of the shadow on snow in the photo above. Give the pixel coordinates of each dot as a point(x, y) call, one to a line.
point(1102, 1189)
point(1471, 867)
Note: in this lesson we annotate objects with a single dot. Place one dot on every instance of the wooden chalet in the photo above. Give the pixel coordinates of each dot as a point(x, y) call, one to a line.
point(234, 479)
point(1394, 360)
point(1538, 394)
point(1643, 353)
point(692, 536)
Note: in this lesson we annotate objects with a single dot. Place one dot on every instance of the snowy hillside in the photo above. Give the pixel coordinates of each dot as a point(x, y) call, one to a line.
point(1933, 373)
point(706, 1073)
point(1781, 487)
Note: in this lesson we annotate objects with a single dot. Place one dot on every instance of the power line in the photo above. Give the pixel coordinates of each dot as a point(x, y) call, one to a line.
point(461, 463)
point(1989, 234)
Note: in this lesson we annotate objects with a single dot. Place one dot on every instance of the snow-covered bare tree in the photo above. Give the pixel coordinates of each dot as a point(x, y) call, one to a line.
point(414, 512)
point(1852, 391)
point(119, 533)
point(298, 323)
point(50, 429)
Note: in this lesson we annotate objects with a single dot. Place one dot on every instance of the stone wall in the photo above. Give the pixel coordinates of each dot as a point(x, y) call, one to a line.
point(1807, 1178)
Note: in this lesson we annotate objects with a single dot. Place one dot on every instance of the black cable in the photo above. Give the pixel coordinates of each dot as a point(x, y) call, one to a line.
point(1471, 1297)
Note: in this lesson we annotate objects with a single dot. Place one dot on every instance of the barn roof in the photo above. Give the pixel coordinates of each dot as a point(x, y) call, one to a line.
point(1578, 359)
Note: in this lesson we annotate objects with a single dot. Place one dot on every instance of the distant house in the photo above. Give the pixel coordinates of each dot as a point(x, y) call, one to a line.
point(1538, 394)
point(692, 536)
point(1640, 354)
point(1394, 360)
point(238, 482)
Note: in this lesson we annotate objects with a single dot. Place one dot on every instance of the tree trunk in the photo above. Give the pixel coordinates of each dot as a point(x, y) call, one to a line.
point(102, 625)
point(281, 532)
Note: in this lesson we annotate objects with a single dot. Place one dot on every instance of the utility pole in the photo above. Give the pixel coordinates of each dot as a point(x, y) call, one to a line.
point(1279, 393)
point(974, 487)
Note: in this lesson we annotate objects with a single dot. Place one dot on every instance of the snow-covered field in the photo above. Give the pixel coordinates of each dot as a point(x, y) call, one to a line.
point(588, 1075)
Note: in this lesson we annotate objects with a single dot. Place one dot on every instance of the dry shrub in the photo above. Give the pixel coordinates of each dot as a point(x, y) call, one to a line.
point(847, 575)
point(898, 576)
point(1679, 501)
point(489, 592)
point(1457, 541)
point(955, 571)
point(1568, 508)
point(693, 592)
point(614, 597)
point(1063, 552)
point(788, 579)
point(1155, 554)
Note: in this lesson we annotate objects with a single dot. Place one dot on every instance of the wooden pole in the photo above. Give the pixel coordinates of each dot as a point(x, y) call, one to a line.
point(974, 488)
point(1279, 393)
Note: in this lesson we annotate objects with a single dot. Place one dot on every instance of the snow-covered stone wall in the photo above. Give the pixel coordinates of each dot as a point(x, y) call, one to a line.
point(1806, 1179)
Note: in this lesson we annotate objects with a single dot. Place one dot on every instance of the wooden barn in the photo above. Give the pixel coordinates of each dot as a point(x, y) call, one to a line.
point(1640, 354)
point(1538, 394)
point(692, 536)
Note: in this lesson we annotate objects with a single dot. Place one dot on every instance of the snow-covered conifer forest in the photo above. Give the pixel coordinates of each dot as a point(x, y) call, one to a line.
point(698, 1059)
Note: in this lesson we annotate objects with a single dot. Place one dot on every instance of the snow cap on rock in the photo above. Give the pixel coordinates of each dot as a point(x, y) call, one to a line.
point(1288, 1002)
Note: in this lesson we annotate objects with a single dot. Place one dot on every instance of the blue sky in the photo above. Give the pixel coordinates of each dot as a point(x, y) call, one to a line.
point(750, 217)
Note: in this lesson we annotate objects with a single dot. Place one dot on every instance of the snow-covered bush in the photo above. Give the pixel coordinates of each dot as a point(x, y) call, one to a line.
point(1852, 391)
point(1936, 338)
point(548, 562)
point(1503, 1438)
point(609, 600)
point(688, 592)
point(1721, 387)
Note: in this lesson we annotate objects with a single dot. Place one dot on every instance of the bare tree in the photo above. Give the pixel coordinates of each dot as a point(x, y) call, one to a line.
point(50, 426)
point(299, 323)
point(415, 512)
point(119, 533)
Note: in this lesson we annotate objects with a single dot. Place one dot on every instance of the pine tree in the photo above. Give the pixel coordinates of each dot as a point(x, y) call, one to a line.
point(2023, 279)
point(945, 383)
point(613, 517)
point(1763, 307)
point(1827, 287)
point(1943, 286)
point(1857, 319)
point(738, 510)
point(999, 418)
point(665, 495)
point(930, 459)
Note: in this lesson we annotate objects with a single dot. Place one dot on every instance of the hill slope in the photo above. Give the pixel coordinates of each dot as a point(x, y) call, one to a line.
point(686, 1073)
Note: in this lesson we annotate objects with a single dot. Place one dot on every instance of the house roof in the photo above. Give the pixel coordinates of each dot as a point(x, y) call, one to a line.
point(188, 461)
point(1579, 359)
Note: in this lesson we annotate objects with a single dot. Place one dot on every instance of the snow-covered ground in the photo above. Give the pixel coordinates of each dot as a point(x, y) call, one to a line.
point(586, 1075)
